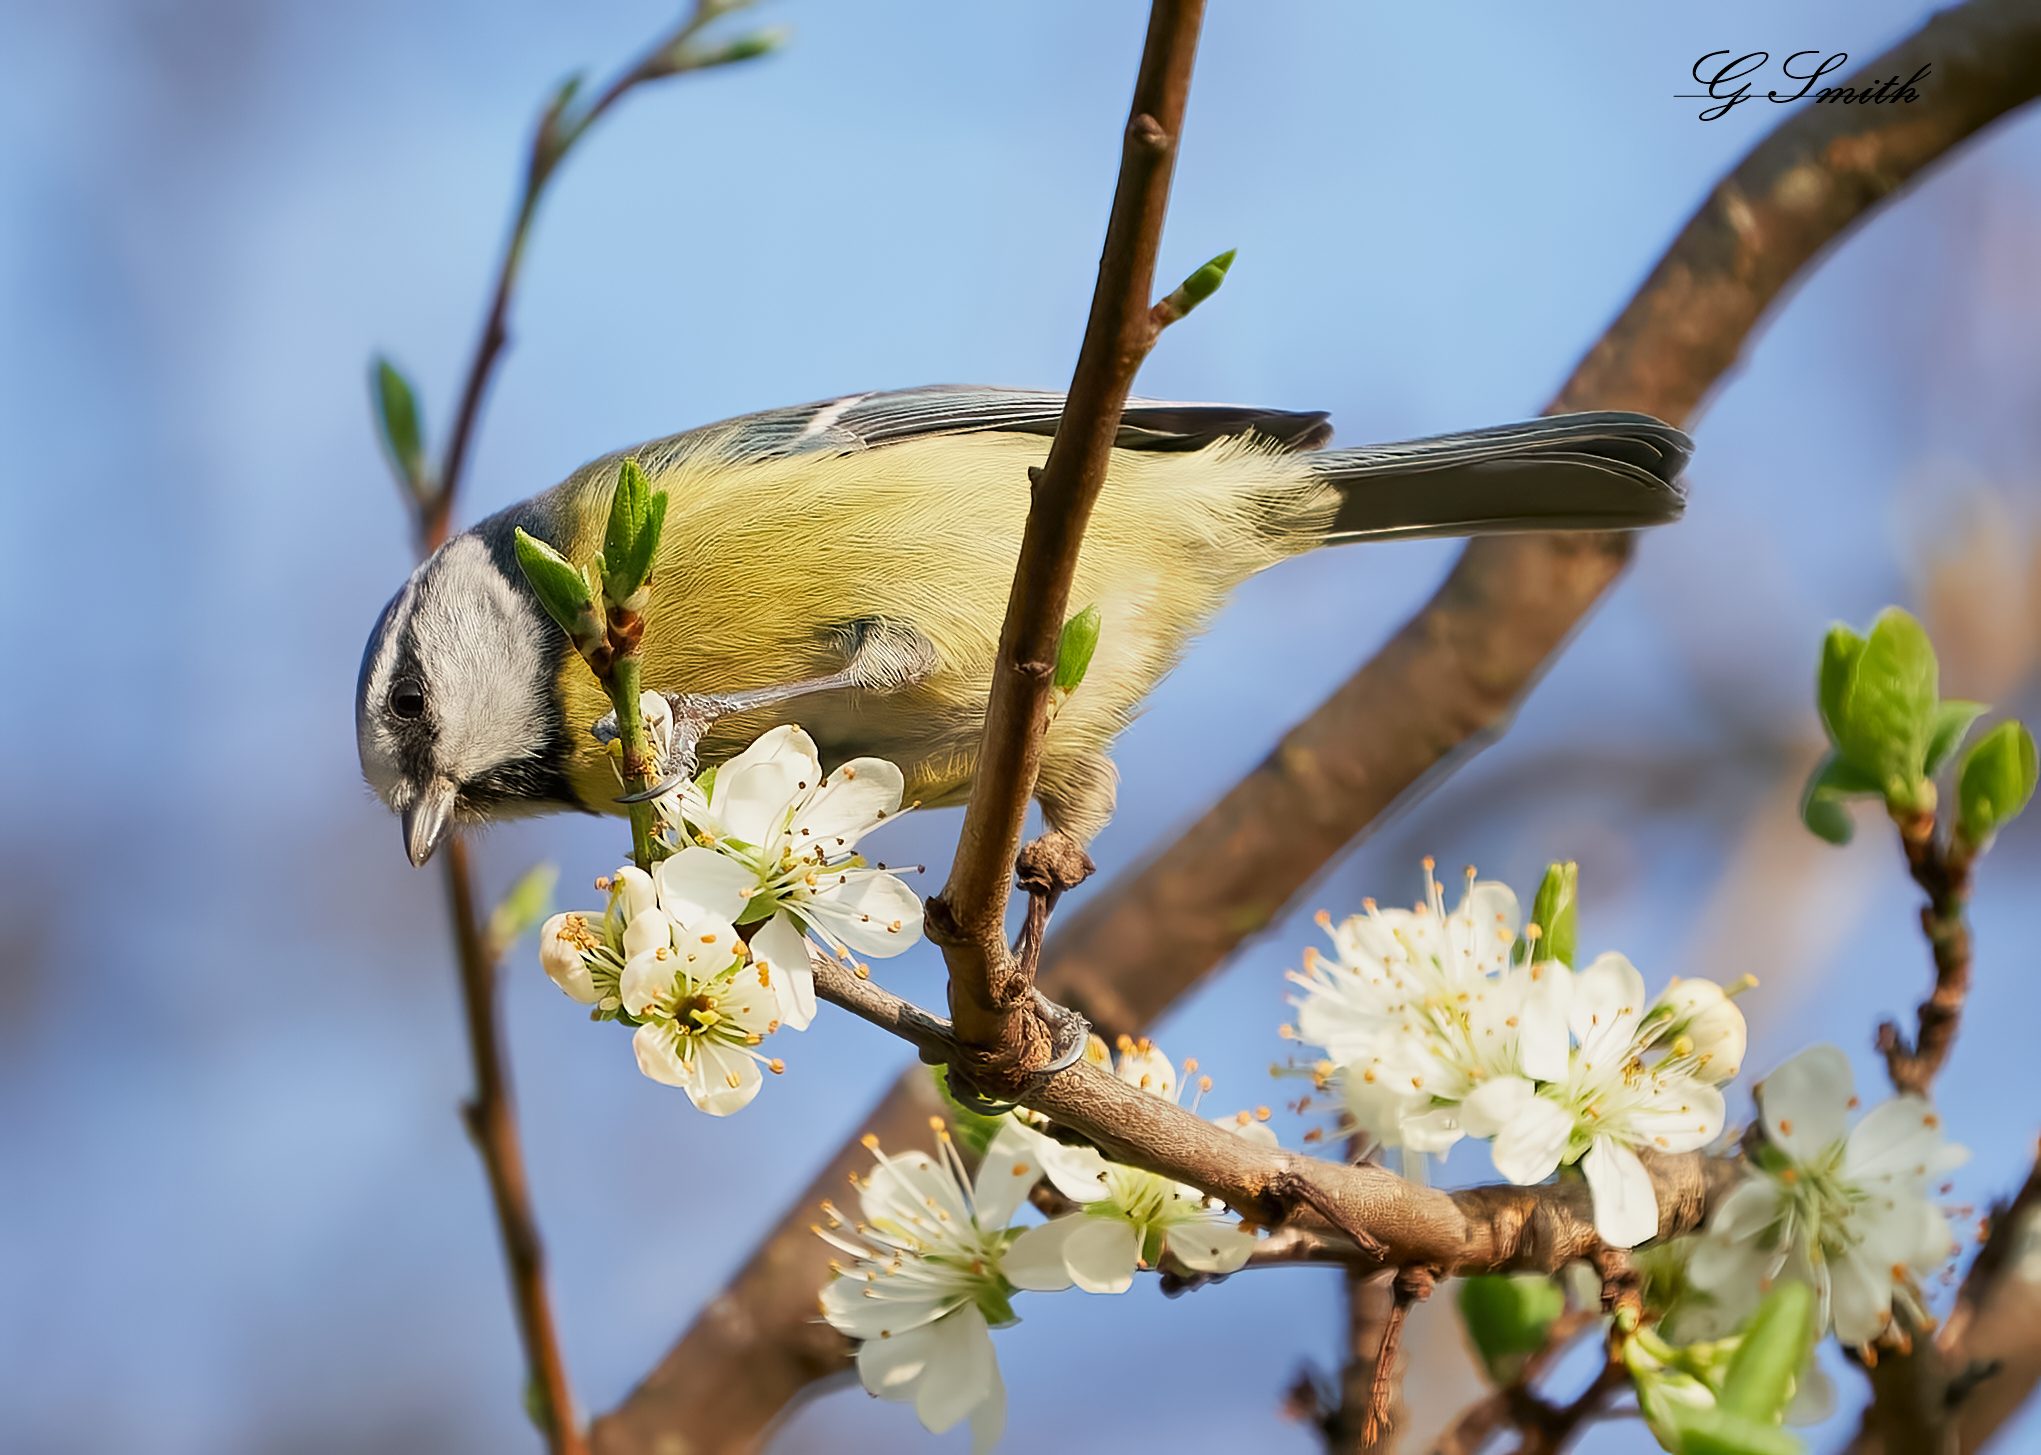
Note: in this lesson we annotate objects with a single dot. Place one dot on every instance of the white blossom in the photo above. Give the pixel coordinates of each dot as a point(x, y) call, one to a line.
point(702, 1012)
point(1423, 1006)
point(774, 844)
point(1846, 1209)
point(1641, 1075)
point(1128, 1219)
point(927, 1285)
point(583, 951)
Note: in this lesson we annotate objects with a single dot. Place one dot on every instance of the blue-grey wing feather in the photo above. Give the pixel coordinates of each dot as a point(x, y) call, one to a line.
point(869, 421)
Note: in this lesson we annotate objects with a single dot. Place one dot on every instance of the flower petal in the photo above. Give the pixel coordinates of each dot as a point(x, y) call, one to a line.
point(1626, 1204)
point(1545, 992)
point(1494, 1104)
point(1144, 1067)
point(780, 951)
point(1102, 1254)
point(851, 802)
point(1805, 1103)
point(988, 1420)
point(1036, 1261)
point(699, 881)
point(633, 890)
point(1210, 1246)
point(1529, 1148)
point(1606, 1005)
point(727, 1080)
point(1011, 1166)
point(560, 947)
point(962, 1370)
point(645, 979)
point(1860, 1298)
point(873, 913)
point(1900, 1139)
point(753, 802)
point(658, 1055)
point(648, 930)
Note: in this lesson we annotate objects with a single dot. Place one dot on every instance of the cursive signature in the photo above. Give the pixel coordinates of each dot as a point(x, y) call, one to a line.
point(1726, 75)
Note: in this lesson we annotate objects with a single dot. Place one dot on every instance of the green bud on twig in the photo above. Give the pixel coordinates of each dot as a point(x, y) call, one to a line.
point(1995, 784)
point(396, 407)
point(1555, 913)
point(1197, 288)
point(631, 542)
point(563, 591)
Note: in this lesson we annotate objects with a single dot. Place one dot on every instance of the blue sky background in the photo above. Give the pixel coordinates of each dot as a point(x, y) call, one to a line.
point(236, 1208)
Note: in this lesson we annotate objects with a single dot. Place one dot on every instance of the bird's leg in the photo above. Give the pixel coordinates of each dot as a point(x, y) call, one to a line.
point(880, 656)
point(1076, 792)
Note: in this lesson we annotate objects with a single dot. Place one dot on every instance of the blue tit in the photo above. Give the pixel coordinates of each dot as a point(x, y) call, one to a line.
point(845, 565)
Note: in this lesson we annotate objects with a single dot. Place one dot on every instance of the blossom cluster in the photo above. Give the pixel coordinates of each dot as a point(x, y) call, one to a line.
point(1441, 1024)
point(936, 1259)
point(708, 953)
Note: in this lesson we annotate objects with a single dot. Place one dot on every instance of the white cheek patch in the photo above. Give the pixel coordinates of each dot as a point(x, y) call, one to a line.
point(480, 644)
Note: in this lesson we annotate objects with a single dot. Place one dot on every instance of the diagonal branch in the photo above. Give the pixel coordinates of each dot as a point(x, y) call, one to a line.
point(1394, 1222)
point(1444, 685)
point(991, 992)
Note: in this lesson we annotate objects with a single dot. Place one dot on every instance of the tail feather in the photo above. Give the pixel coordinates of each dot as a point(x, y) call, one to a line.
point(1567, 472)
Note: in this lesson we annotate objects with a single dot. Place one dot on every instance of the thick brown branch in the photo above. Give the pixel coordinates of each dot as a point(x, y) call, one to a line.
point(1447, 680)
point(991, 991)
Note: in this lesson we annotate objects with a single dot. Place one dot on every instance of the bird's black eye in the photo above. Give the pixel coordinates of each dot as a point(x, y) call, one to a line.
point(407, 699)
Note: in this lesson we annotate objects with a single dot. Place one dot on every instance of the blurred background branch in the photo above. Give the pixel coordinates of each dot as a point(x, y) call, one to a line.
point(1442, 687)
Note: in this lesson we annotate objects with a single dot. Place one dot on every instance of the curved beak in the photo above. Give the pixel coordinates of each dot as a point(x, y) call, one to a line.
point(426, 819)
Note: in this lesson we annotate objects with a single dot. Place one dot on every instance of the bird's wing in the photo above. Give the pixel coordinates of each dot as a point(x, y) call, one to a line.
point(869, 421)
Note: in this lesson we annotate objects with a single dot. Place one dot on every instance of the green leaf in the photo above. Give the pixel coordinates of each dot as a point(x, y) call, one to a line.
point(1508, 1317)
point(397, 421)
point(1951, 724)
point(1075, 648)
point(1885, 710)
point(1839, 653)
point(1776, 1344)
point(521, 910)
point(1996, 782)
point(1699, 1429)
point(562, 590)
point(1554, 912)
point(1829, 787)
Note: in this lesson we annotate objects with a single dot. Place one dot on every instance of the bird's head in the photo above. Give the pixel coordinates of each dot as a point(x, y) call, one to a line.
point(455, 711)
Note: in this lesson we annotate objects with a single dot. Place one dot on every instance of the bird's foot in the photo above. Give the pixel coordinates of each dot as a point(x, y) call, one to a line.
point(1069, 1039)
point(1045, 870)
